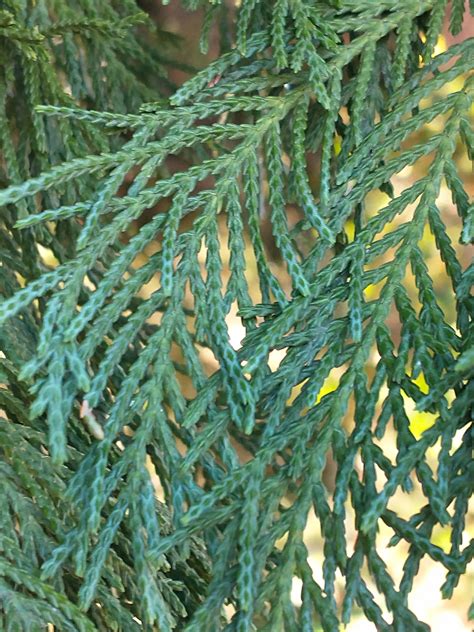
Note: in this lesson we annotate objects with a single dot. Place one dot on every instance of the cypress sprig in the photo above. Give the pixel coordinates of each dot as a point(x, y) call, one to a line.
point(156, 472)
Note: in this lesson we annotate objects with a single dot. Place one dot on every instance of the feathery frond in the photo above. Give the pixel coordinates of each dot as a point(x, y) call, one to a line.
point(119, 380)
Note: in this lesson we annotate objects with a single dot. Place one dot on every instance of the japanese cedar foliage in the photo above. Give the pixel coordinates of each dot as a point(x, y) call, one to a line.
point(310, 107)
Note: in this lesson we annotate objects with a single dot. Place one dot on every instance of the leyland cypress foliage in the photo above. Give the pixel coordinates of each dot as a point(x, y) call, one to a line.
point(310, 108)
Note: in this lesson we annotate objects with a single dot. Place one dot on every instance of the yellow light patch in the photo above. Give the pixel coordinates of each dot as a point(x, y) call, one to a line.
point(371, 291)
point(295, 391)
point(330, 384)
point(419, 422)
point(421, 383)
point(350, 229)
point(47, 255)
point(441, 46)
point(442, 538)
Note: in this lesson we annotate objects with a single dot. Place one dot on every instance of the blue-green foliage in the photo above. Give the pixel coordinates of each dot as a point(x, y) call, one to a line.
point(108, 391)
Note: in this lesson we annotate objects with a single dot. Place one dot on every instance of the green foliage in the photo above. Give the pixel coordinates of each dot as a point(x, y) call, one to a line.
point(116, 379)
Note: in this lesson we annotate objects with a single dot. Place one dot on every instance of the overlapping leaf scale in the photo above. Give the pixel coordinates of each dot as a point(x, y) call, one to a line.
point(241, 517)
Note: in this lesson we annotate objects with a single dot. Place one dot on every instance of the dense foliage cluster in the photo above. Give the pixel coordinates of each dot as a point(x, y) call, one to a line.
point(140, 488)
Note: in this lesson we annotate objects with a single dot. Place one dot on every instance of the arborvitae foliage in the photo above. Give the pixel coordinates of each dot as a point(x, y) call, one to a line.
point(310, 108)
